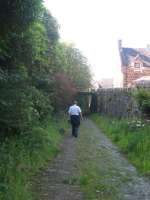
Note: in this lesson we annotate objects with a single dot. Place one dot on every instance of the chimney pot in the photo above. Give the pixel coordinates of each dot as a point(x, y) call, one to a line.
point(120, 44)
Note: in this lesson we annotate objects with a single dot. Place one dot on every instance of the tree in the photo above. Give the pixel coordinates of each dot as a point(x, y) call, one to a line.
point(17, 15)
point(64, 91)
point(75, 65)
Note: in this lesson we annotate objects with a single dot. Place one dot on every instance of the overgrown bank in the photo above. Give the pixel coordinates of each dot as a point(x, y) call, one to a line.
point(23, 155)
point(132, 137)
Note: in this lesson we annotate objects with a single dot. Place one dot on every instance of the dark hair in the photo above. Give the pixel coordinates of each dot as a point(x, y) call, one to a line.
point(75, 102)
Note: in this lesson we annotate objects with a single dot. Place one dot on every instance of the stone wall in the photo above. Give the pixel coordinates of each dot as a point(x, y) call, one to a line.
point(117, 103)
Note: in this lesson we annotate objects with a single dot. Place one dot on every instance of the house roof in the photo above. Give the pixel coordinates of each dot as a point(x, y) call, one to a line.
point(129, 54)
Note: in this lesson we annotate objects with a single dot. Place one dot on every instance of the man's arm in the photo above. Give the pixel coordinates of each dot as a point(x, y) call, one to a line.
point(80, 111)
point(81, 115)
point(69, 112)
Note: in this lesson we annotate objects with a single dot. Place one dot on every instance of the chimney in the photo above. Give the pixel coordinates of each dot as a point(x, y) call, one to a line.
point(120, 44)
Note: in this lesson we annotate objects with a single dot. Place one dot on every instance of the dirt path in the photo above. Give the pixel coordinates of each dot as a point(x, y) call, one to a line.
point(60, 180)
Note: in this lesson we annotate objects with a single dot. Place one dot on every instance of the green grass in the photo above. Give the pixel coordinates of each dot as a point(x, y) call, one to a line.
point(22, 156)
point(131, 136)
point(94, 185)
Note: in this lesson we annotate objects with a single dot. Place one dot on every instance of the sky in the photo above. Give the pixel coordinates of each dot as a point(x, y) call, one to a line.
point(95, 26)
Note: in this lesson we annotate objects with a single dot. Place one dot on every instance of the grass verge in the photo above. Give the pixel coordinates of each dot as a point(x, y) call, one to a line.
point(22, 156)
point(131, 136)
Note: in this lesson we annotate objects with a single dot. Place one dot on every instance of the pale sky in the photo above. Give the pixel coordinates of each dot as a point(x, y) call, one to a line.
point(95, 26)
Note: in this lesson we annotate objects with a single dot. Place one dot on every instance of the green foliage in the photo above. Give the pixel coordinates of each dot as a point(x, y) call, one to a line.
point(64, 92)
point(78, 68)
point(51, 26)
point(23, 155)
point(18, 15)
point(74, 64)
point(22, 105)
point(143, 97)
point(132, 137)
point(35, 45)
point(14, 97)
point(38, 75)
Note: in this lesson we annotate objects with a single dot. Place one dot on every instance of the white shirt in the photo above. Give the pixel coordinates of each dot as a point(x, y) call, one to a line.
point(74, 110)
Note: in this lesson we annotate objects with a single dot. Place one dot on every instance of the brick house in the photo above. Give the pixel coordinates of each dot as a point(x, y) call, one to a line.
point(135, 63)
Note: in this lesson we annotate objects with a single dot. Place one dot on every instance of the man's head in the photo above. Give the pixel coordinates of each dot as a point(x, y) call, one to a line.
point(75, 102)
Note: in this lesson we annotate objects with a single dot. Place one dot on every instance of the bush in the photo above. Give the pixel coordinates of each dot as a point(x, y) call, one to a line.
point(143, 97)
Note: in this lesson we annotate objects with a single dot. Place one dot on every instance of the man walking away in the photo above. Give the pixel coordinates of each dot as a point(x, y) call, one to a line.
point(75, 114)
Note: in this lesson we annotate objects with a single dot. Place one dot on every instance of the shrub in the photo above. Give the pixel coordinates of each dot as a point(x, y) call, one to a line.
point(143, 98)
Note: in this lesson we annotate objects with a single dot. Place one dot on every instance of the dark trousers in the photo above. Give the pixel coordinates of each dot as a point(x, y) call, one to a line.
point(75, 122)
point(75, 130)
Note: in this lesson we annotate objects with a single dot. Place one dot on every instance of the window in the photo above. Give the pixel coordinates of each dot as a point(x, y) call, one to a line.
point(137, 65)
